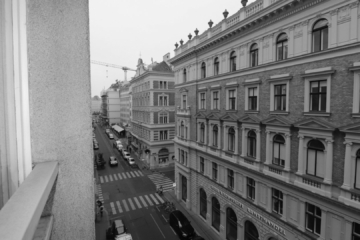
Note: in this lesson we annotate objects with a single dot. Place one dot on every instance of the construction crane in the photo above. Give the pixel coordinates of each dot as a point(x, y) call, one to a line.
point(125, 69)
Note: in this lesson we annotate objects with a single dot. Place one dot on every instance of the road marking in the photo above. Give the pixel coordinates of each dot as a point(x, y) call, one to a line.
point(127, 174)
point(113, 208)
point(106, 179)
point(157, 225)
point(173, 230)
point(111, 179)
point(101, 179)
point(119, 206)
point(124, 176)
point(137, 202)
point(137, 174)
point(132, 174)
point(115, 177)
point(153, 198)
point(119, 176)
point(125, 205)
point(140, 173)
point(160, 199)
point(164, 218)
point(131, 204)
point(149, 201)
point(143, 201)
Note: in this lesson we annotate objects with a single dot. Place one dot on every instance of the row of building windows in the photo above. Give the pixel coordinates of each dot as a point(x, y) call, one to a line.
point(313, 216)
point(141, 87)
point(320, 35)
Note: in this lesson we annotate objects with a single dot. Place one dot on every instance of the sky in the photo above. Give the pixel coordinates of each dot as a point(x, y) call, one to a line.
point(123, 30)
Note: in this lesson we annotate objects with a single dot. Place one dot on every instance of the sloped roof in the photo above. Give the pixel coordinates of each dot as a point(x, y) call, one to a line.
point(162, 67)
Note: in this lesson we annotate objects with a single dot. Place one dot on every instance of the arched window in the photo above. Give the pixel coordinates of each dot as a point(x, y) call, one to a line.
point(216, 66)
point(282, 46)
point(232, 61)
point(184, 75)
point(215, 216)
point(163, 155)
point(203, 70)
point(215, 135)
point(251, 233)
point(231, 224)
point(315, 158)
point(203, 203)
point(254, 55)
point(231, 139)
point(251, 144)
point(357, 170)
point(182, 130)
point(202, 132)
point(278, 150)
point(320, 35)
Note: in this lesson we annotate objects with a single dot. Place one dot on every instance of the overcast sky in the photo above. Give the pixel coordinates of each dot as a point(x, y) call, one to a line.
point(121, 30)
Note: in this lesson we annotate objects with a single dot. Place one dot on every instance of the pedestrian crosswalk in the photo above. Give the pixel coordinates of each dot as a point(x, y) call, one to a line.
point(133, 203)
point(160, 180)
point(120, 176)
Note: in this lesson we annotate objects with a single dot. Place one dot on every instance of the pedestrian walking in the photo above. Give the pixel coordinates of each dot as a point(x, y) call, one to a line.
point(101, 210)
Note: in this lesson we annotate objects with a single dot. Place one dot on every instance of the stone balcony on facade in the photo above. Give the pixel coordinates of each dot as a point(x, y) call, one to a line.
point(183, 112)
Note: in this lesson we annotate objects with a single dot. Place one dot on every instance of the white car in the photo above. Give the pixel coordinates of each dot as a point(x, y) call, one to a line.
point(126, 156)
point(107, 130)
point(113, 161)
point(111, 136)
point(131, 160)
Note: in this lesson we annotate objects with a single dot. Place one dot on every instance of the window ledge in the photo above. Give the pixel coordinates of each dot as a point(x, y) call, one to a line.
point(202, 110)
point(32, 193)
point(317, 114)
point(279, 113)
point(355, 115)
point(232, 110)
point(251, 111)
point(215, 110)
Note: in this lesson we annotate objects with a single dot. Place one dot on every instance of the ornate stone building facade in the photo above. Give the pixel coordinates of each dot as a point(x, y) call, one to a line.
point(268, 142)
point(153, 113)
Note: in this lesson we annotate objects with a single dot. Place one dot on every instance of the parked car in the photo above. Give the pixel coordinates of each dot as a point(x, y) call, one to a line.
point(107, 130)
point(123, 152)
point(181, 225)
point(96, 145)
point(99, 160)
point(120, 147)
point(111, 136)
point(126, 156)
point(198, 238)
point(116, 228)
point(131, 161)
point(113, 161)
point(134, 166)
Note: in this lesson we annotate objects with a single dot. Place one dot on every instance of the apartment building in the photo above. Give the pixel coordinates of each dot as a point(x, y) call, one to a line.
point(124, 104)
point(153, 113)
point(267, 125)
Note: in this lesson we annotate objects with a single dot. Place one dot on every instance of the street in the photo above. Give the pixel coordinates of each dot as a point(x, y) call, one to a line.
point(130, 194)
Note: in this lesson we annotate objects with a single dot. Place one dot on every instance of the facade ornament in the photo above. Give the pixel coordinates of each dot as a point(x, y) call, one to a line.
point(244, 2)
point(354, 4)
point(329, 141)
point(225, 13)
point(196, 32)
point(348, 143)
point(301, 136)
point(181, 42)
point(287, 135)
point(334, 12)
point(189, 36)
point(210, 23)
point(292, 28)
point(176, 45)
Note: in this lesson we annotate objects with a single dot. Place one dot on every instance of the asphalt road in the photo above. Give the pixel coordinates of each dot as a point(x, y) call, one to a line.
point(130, 195)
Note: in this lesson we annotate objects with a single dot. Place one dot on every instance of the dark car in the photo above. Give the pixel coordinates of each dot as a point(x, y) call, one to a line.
point(99, 160)
point(181, 225)
point(117, 227)
point(198, 238)
point(134, 166)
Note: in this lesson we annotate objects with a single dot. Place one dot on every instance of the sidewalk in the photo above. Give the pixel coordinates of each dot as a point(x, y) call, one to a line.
point(101, 225)
point(200, 226)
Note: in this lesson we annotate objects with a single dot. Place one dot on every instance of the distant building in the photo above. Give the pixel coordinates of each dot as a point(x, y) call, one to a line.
point(110, 104)
point(95, 104)
point(124, 104)
point(153, 113)
point(268, 131)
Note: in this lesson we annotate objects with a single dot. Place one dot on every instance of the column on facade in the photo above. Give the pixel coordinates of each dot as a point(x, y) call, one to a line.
point(291, 41)
point(333, 30)
point(300, 170)
point(261, 51)
point(354, 22)
point(208, 212)
point(236, 141)
point(222, 223)
point(226, 57)
point(329, 161)
point(272, 56)
point(198, 132)
point(306, 37)
point(188, 192)
point(301, 212)
point(225, 139)
point(188, 130)
point(210, 134)
point(243, 142)
point(269, 198)
point(247, 54)
point(348, 167)
point(206, 133)
point(268, 156)
point(237, 58)
point(258, 141)
point(287, 151)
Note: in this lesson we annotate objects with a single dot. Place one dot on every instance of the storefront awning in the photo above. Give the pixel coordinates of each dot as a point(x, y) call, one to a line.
point(117, 128)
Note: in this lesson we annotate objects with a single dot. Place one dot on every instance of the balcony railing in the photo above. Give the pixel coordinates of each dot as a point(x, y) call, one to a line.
point(183, 111)
point(20, 217)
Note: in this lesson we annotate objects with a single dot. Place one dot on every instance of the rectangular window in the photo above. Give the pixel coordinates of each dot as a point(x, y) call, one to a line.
point(182, 157)
point(214, 171)
point(165, 101)
point(231, 179)
point(202, 165)
point(232, 100)
point(163, 135)
point(357, 173)
point(160, 101)
point(355, 231)
point(280, 97)
point(277, 201)
point(318, 96)
point(184, 102)
point(165, 87)
point(216, 100)
point(313, 218)
point(202, 100)
point(252, 95)
point(250, 185)
point(161, 84)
